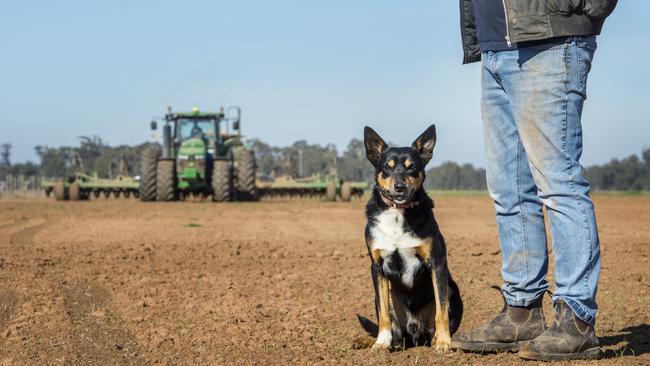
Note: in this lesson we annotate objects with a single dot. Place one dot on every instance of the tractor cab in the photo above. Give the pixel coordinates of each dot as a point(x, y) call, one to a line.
point(191, 129)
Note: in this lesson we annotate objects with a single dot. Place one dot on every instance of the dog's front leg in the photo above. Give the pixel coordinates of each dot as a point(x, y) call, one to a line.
point(385, 335)
point(440, 286)
point(437, 263)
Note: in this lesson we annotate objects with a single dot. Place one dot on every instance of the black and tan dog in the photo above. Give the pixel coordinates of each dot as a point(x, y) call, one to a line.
point(416, 299)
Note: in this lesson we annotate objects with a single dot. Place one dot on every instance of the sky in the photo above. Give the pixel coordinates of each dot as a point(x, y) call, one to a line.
point(312, 70)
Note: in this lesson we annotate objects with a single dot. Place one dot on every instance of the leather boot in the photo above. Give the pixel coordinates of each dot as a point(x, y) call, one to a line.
point(506, 331)
point(569, 338)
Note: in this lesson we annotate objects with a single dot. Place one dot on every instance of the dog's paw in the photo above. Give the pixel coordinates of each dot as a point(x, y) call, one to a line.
point(443, 344)
point(380, 346)
point(383, 341)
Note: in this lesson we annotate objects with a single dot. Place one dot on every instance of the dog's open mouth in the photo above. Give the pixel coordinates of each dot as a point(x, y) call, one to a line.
point(400, 198)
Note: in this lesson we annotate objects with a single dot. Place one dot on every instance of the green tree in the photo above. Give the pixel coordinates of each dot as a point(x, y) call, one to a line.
point(5, 155)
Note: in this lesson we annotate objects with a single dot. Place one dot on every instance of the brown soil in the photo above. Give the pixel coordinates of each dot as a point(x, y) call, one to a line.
point(124, 282)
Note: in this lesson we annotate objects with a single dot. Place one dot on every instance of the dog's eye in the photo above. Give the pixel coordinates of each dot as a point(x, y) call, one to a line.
point(408, 164)
point(390, 164)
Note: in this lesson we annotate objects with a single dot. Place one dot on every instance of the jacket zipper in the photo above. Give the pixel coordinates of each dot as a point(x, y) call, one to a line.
point(505, 12)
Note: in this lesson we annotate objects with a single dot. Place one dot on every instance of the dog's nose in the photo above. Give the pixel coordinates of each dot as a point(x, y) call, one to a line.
point(400, 187)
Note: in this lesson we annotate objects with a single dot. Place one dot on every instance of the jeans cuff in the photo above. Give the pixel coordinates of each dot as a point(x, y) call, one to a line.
point(518, 301)
point(579, 310)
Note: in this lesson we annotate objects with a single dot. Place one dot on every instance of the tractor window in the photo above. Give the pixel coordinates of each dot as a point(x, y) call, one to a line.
point(190, 128)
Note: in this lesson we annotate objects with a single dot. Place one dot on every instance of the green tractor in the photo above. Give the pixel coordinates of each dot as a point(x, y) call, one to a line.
point(202, 154)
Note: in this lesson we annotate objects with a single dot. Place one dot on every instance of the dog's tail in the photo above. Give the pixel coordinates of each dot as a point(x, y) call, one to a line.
point(369, 339)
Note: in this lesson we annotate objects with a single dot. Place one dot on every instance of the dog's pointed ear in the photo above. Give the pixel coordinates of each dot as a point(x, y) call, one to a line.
point(424, 144)
point(374, 144)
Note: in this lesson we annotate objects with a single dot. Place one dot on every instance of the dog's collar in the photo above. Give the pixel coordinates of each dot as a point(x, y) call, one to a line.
point(393, 204)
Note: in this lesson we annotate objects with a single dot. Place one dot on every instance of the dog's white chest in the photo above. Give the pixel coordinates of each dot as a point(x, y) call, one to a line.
point(388, 234)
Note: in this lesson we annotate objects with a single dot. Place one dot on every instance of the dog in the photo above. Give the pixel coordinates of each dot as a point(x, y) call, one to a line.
point(416, 300)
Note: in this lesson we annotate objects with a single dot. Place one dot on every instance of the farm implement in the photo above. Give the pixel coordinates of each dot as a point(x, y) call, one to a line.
point(316, 186)
point(202, 154)
point(81, 187)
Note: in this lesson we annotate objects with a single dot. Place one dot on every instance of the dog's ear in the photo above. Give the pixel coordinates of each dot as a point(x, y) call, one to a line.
point(374, 144)
point(424, 144)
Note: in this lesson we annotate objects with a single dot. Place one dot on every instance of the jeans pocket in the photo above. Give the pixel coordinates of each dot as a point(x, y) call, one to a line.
point(585, 57)
point(578, 61)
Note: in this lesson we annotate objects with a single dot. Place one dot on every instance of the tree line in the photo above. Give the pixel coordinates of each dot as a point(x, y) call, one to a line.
point(301, 159)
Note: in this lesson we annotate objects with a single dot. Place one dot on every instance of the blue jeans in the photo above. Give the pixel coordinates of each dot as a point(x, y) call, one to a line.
point(532, 100)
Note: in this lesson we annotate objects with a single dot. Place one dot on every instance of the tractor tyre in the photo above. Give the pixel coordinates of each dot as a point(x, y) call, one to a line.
point(59, 191)
point(74, 192)
point(330, 191)
point(166, 181)
point(246, 166)
point(222, 181)
point(148, 168)
point(346, 192)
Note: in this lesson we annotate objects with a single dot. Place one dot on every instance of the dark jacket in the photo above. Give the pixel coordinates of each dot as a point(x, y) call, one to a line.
point(531, 20)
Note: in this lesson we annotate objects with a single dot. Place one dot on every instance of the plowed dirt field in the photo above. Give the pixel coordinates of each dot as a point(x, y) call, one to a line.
point(272, 283)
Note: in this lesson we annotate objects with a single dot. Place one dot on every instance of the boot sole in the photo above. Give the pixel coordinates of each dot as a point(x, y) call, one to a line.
point(490, 347)
point(590, 354)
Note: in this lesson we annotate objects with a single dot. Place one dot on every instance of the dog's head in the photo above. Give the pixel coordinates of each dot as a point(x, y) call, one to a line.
point(399, 171)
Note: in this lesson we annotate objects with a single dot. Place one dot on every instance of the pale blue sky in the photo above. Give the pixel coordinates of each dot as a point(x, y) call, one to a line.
point(299, 69)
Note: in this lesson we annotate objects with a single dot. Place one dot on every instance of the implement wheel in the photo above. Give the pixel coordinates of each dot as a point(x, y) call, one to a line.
point(74, 192)
point(246, 166)
point(59, 191)
point(148, 168)
point(346, 192)
point(222, 181)
point(330, 192)
point(166, 181)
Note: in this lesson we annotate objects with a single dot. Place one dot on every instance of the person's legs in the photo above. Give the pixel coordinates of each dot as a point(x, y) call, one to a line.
point(547, 89)
point(520, 222)
point(519, 215)
point(547, 93)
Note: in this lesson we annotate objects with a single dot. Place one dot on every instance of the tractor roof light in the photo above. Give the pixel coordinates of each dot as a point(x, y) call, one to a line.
point(195, 110)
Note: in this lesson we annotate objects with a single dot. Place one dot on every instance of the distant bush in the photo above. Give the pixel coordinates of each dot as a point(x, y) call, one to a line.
point(452, 176)
point(631, 173)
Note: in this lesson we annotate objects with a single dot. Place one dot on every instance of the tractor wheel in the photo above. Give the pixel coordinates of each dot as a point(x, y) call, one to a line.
point(246, 166)
point(59, 191)
point(148, 167)
point(166, 181)
point(346, 192)
point(330, 192)
point(222, 181)
point(74, 192)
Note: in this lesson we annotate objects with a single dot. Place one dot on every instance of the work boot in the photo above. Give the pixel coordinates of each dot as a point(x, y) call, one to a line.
point(569, 338)
point(505, 332)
